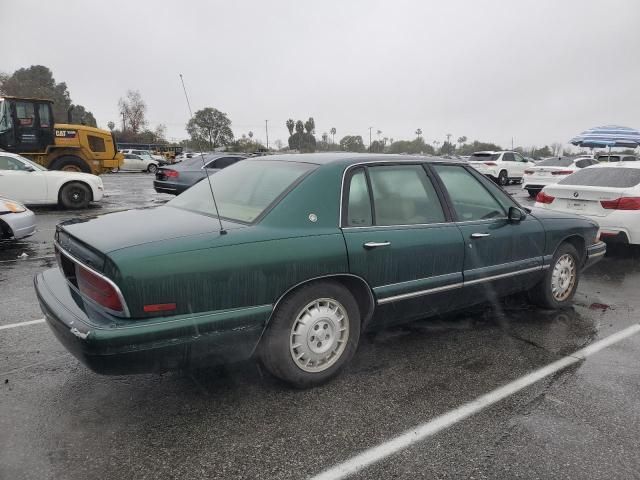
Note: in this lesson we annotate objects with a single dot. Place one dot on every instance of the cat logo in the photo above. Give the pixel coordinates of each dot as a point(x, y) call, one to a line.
point(63, 133)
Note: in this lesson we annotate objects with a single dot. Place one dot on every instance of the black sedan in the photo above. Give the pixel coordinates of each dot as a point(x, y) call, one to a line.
point(177, 178)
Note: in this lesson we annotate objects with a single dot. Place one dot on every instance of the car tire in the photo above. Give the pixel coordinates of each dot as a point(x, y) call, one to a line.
point(302, 345)
point(533, 192)
point(503, 178)
point(152, 168)
point(70, 163)
point(560, 280)
point(75, 195)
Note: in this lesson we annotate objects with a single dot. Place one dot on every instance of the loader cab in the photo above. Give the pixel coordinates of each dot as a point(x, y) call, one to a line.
point(26, 124)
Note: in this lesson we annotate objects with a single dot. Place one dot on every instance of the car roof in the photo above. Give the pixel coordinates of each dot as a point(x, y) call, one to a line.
point(9, 154)
point(350, 158)
point(631, 164)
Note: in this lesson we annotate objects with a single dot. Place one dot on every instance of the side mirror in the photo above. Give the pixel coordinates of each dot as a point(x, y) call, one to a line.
point(30, 169)
point(516, 215)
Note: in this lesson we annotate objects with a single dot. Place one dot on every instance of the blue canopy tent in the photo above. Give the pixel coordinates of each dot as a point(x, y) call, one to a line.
point(608, 136)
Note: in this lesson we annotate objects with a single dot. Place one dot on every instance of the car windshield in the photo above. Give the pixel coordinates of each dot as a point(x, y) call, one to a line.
point(556, 162)
point(483, 157)
point(604, 177)
point(244, 190)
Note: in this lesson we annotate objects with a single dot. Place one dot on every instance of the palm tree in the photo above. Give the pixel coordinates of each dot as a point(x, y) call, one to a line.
point(333, 134)
point(461, 140)
point(448, 135)
point(290, 124)
point(250, 134)
point(325, 137)
point(419, 132)
point(379, 132)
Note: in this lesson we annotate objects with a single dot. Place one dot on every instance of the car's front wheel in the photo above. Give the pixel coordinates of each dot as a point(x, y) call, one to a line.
point(75, 195)
point(313, 334)
point(557, 288)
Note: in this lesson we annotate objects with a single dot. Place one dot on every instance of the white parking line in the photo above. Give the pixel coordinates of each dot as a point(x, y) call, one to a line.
point(21, 324)
point(405, 440)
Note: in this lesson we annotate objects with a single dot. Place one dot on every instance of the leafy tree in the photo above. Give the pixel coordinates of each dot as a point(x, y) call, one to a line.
point(376, 146)
point(325, 136)
point(290, 124)
point(250, 134)
point(299, 126)
point(461, 140)
point(279, 144)
point(333, 134)
point(352, 143)
point(542, 152)
point(211, 127)
point(111, 126)
point(133, 109)
point(245, 144)
point(476, 146)
point(416, 146)
point(447, 148)
point(160, 132)
point(37, 81)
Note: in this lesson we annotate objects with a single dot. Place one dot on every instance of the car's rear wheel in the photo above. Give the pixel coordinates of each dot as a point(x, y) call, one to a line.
point(533, 192)
point(503, 178)
point(313, 334)
point(75, 195)
point(557, 288)
point(152, 168)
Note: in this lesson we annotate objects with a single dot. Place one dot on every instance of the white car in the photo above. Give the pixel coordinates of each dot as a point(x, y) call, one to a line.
point(552, 170)
point(16, 220)
point(501, 167)
point(138, 163)
point(608, 193)
point(31, 184)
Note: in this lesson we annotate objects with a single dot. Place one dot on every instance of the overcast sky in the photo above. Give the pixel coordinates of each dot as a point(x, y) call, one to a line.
point(540, 71)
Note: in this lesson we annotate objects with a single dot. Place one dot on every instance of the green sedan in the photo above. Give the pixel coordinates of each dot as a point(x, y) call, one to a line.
point(307, 252)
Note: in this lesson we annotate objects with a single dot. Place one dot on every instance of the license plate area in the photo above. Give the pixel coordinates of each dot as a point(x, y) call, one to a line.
point(576, 205)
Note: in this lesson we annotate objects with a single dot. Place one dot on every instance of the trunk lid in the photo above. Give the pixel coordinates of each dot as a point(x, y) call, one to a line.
point(119, 230)
point(584, 200)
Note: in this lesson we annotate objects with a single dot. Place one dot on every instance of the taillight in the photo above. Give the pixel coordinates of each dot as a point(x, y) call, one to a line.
point(170, 173)
point(623, 203)
point(544, 198)
point(98, 289)
point(491, 164)
point(528, 172)
point(562, 172)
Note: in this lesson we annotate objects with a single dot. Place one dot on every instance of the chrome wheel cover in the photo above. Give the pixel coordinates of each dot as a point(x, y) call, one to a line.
point(319, 335)
point(563, 277)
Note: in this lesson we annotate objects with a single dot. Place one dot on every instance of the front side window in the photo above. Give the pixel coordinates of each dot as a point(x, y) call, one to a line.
point(359, 203)
point(9, 163)
point(508, 157)
point(470, 199)
point(26, 114)
point(6, 123)
point(244, 190)
point(404, 195)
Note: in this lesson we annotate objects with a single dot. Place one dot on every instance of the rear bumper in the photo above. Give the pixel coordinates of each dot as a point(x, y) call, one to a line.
point(21, 224)
point(113, 346)
point(168, 187)
point(595, 253)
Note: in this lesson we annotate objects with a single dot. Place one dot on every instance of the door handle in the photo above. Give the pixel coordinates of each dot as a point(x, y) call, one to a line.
point(480, 235)
point(370, 245)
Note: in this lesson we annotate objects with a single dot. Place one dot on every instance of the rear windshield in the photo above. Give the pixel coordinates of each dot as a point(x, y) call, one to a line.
point(604, 177)
point(244, 190)
point(483, 157)
point(555, 162)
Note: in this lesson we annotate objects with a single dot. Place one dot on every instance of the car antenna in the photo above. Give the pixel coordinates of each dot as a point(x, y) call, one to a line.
point(215, 204)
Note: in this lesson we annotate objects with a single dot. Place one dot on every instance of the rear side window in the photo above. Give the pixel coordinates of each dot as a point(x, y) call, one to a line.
point(555, 162)
point(96, 144)
point(629, 159)
point(609, 158)
point(222, 162)
point(470, 199)
point(44, 114)
point(404, 195)
point(359, 203)
point(604, 177)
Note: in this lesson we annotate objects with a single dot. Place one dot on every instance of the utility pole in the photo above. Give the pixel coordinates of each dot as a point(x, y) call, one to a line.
point(370, 138)
point(123, 121)
point(511, 143)
point(266, 128)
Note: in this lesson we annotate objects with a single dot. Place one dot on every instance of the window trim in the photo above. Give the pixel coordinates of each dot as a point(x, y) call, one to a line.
point(437, 186)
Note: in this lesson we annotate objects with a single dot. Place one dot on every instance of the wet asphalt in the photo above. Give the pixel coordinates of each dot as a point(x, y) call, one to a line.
point(58, 420)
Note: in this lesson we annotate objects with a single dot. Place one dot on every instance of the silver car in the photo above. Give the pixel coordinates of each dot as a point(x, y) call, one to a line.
point(16, 220)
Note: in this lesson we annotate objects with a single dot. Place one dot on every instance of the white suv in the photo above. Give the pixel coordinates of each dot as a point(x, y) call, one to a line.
point(501, 167)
